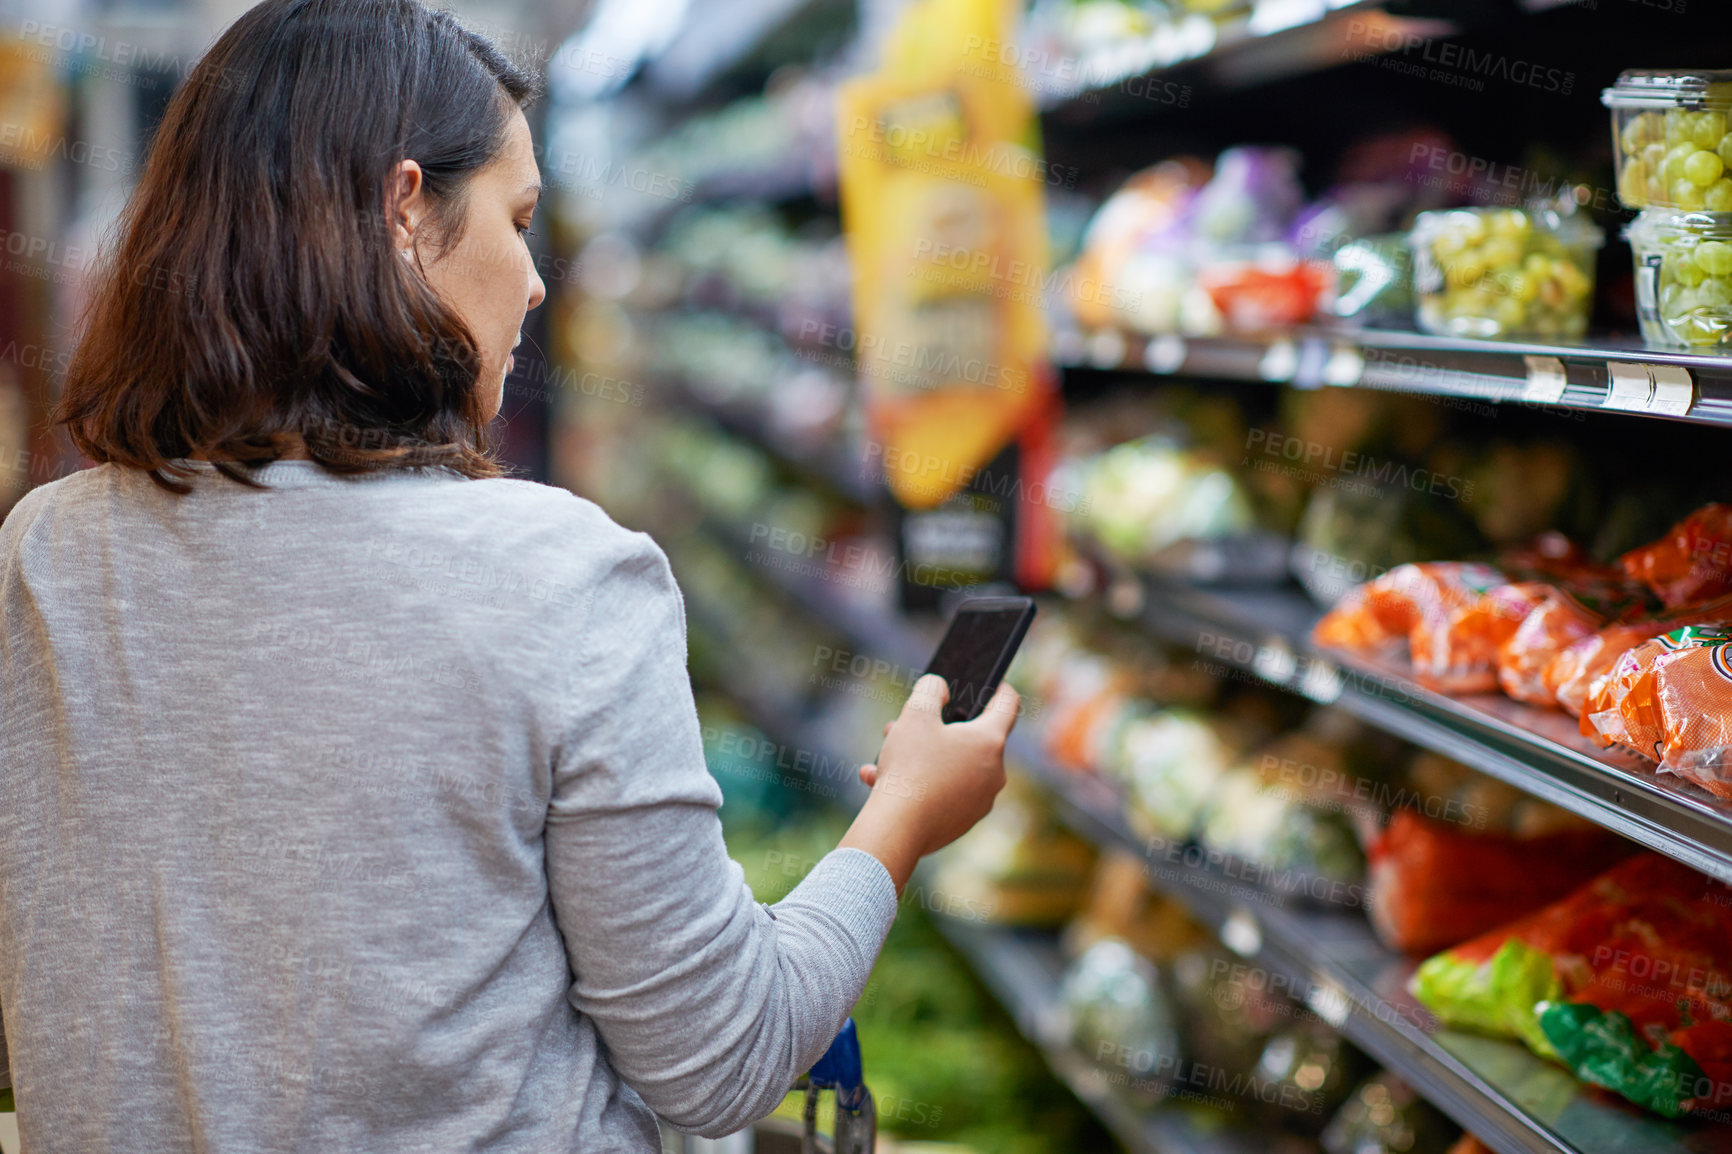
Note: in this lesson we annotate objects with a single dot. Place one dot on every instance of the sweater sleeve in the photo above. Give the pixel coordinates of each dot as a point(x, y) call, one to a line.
point(709, 1003)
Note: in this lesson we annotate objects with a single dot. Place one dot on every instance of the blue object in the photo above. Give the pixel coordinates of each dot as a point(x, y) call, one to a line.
point(840, 1069)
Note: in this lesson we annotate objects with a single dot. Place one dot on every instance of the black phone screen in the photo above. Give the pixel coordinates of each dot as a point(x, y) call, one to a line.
point(977, 649)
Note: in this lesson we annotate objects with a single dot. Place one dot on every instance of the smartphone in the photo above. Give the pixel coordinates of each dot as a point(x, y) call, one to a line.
point(976, 650)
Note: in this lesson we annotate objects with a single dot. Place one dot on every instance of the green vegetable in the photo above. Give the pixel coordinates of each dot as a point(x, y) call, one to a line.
point(1498, 996)
point(1604, 1049)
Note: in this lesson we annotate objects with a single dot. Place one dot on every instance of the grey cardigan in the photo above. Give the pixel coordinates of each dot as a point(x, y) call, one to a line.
point(371, 814)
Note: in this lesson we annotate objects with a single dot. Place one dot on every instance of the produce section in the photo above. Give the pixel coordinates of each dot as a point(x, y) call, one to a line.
point(1291, 370)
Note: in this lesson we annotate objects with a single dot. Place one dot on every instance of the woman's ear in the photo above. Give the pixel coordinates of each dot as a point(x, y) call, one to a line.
point(406, 206)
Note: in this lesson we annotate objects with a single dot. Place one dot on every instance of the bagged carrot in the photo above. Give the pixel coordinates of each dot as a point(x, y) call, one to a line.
point(1571, 673)
point(1603, 715)
point(1384, 612)
point(1679, 712)
point(1692, 563)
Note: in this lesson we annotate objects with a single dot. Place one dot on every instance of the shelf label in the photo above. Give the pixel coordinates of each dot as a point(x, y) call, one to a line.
point(1241, 933)
point(1329, 1002)
point(1321, 681)
point(1674, 390)
point(1275, 661)
point(1106, 349)
point(1278, 15)
point(1346, 364)
point(1630, 388)
point(1546, 380)
point(1280, 362)
point(1165, 354)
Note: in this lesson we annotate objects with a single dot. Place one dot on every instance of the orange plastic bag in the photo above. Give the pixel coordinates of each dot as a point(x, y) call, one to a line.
point(1692, 563)
point(1459, 654)
point(1571, 675)
point(1604, 717)
point(1557, 623)
point(1387, 610)
point(1681, 707)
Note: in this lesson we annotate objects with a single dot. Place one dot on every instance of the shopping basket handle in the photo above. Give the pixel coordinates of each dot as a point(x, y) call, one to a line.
point(840, 1069)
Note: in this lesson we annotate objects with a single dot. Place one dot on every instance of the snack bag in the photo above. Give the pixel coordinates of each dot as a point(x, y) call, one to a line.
point(1603, 716)
point(1690, 564)
point(1627, 981)
point(1681, 707)
point(1384, 611)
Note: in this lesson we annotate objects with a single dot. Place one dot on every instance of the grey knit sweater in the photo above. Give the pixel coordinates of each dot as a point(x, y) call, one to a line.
point(371, 815)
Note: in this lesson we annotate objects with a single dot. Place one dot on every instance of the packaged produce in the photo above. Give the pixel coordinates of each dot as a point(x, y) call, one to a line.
point(1272, 290)
point(1171, 764)
point(1115, 1010)
point(1435, 883)
point(1579, 675)
point(1570, 675)
point(1557, 621)
point(1385, 1116)
point(1673, 147)
point(1503, 272)
point(1692, 563)
point(1280, 808)
point(1605, 716)
point(1683, 277)
point(1396, 607)
point(1628, 981)
point(1143, 496)
point(1018, 866)
point(1680, 708)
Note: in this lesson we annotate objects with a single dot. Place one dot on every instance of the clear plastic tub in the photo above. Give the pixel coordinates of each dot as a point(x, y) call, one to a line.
point(1503, 272)
point(1683, 278)
point(1672, 137)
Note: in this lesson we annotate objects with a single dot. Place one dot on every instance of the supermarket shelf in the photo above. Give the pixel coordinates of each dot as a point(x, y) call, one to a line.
point(1512, 1100)
point(830, 470)
point(1023, 970)
point(1264, 633)
point(1613, 375)
point(1272, 39)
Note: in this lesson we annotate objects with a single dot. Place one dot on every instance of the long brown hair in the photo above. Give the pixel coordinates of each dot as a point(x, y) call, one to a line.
point(253, 290)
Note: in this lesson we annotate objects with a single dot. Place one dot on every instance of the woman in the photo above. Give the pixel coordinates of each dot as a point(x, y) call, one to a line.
point(353, 795)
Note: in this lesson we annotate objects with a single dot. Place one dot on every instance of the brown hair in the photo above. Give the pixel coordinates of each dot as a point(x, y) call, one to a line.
point(254, 290)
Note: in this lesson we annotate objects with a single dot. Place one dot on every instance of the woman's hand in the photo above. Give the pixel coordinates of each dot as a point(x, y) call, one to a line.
point(932, 781)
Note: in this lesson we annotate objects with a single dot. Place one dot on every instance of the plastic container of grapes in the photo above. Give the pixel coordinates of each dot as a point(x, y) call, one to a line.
point(1672, 135)
point(1494, 273)
point(1683, 278)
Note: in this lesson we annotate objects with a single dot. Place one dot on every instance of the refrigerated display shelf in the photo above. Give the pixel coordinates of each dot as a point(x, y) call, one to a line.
point(1265, 633)
point(1332, 962)
point(1611, 375)
point(1024, 970)
point(1326, 956)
